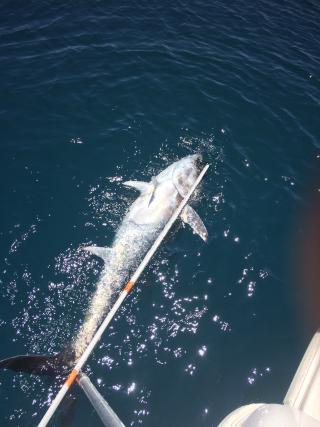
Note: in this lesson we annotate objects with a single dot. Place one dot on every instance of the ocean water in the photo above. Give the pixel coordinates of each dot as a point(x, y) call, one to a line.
point(95, 94)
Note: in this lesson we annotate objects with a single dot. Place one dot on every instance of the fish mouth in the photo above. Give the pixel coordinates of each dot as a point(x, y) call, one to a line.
point(199, 161)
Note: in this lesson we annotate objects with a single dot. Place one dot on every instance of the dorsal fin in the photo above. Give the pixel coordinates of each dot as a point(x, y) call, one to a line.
point(190, 216)
point(98, 251)
point(143, 187)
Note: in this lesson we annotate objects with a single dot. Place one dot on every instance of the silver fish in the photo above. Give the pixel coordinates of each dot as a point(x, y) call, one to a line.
point(141, 225)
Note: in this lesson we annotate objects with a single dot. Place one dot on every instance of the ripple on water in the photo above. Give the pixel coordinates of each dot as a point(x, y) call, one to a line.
point(237, 82)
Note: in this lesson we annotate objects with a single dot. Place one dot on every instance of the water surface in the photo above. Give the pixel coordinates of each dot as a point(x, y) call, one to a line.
point(94, 95)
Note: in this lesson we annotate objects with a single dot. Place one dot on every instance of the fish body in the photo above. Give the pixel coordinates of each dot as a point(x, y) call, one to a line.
point(141, 225)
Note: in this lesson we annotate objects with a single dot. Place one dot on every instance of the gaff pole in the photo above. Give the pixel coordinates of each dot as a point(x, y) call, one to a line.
point(126, 290)
point(106, 414)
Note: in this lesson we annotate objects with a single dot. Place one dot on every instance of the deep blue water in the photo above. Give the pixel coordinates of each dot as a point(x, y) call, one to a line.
point(93, 95)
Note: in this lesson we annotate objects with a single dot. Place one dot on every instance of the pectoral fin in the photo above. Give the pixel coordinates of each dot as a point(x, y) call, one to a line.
point(143, 187)
point(153, 185)
point(190, 216)
point(103, 253)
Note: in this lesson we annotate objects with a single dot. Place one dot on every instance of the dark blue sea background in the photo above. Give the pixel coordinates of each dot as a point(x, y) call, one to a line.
point(96, 93)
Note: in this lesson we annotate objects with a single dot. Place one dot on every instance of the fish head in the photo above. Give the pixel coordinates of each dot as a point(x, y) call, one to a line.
point(182, 173)
point(159, 198)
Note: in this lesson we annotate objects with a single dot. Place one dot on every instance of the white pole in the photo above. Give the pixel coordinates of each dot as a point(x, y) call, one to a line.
point(106, 414)
point(82, 360)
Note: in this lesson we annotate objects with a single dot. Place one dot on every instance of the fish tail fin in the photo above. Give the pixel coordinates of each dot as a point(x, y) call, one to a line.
point(32, 364)
point(50, 366)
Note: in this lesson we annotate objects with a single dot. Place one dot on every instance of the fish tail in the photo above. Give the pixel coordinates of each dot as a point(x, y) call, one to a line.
point(50, 366)
point(35, 364)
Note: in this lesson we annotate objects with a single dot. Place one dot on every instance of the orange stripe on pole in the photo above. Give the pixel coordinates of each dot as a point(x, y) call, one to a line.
point(72, 376)
point(129, 286)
